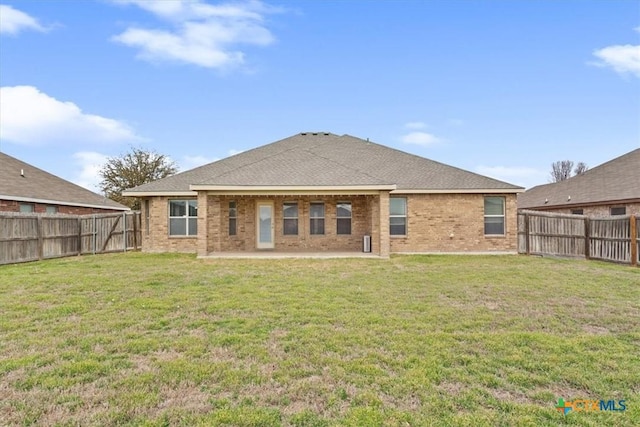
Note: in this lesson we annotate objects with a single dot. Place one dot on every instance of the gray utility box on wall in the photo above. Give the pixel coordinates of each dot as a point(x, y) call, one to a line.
point(366, 244)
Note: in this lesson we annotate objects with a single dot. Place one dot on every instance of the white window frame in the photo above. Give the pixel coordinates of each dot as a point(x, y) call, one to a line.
point(318, 218)
point(233, 218)
point(186, 217)
point(290, 218)
point(503, 216)
point(343, 218)
point(405, 216)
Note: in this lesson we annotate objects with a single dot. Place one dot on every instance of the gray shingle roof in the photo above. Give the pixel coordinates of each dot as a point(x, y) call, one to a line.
point(38, 185)
point(325, 159)
point(615, 180)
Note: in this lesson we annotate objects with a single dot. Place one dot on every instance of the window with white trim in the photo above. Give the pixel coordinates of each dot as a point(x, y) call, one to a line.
point(316, 218)
point(343, 218)
point(183, 217)
point(494, 216)
point(290, 218)
point(233, 218)
point(398, 216)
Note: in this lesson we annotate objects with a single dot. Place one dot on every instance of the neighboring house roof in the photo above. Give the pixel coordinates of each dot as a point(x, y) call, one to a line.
point(23, 182)
point(325, 160)
point(614, 181)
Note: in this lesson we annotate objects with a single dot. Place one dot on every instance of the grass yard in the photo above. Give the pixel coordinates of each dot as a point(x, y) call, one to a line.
point(141, 339)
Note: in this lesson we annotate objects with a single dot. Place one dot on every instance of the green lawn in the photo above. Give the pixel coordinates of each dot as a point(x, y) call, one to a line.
point(140, 339)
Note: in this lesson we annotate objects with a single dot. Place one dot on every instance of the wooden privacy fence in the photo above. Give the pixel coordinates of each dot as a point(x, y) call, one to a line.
point(30, 237)
point(614, 239)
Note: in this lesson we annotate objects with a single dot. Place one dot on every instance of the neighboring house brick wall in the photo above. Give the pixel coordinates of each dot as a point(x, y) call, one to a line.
point(433, 218)
point(14, 206)
point(597, 211)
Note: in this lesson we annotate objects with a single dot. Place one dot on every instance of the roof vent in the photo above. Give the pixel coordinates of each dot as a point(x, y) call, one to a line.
point(314, 133)
point(326, 133)
point(22, 173)
point(568, 198)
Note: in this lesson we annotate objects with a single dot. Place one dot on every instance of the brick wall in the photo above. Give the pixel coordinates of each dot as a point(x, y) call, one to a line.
point(453, 223)
point(600, 211)
point(14, 206)
point(245, 238)
point(158, 239)
point(436, 223)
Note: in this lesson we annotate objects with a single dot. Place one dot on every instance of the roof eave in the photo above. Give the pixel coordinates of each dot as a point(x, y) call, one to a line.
point(61, 202)
point(164, 193)
point(458, 191)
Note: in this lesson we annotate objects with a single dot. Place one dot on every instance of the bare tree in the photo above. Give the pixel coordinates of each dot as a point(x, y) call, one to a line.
point(134, 168)
point(562, 169)
point(580, 168)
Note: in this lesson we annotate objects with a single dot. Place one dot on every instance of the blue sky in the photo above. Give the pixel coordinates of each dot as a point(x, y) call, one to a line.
point(502, 88)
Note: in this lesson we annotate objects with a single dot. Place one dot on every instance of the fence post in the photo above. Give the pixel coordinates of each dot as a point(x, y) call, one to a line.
point(124, 231)
point(634, 240)
point(95, 232)
point(587, 238)
point(527, 245)
point(40, 237)
point(79, 235)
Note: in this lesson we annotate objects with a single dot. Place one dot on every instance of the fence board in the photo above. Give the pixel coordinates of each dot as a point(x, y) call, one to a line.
point(29, 237)
point(608, 239)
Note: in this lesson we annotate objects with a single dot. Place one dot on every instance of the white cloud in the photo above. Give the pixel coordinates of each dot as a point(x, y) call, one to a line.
point(523, 176)
point(199, 33)
point(420, 138)
point(415, 125)
point(31, 117)
point(190, 162)
point(90, 164)
point(12, 21)
point(622, 58)
point(233, 152)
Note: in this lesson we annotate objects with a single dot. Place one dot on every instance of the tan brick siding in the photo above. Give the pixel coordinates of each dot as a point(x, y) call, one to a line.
point(453, 223)
point(436, 223)
point(245, 238)
point(158, 239)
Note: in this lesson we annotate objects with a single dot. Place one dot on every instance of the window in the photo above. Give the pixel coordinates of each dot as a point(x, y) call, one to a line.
point(316, 217)
point(398, 216)
point(290, 215)
point(51, 209)
point(233, 218)
point(577, 211)
point(343, 214)
point(494, 216)
point(27, 207)
point(183, 217)
point(621, 210)
point(146, 216)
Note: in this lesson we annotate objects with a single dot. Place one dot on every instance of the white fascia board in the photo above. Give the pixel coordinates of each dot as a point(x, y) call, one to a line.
point(159, 193)
point(60, 202)
point(460, 191)
point(283, 189)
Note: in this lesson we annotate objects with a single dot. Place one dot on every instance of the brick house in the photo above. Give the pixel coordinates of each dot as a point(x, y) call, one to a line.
point(612, 188)
point(323, 192)
point(25, 188)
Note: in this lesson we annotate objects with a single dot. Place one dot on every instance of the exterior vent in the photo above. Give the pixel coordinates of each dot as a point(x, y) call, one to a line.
point(366, 243)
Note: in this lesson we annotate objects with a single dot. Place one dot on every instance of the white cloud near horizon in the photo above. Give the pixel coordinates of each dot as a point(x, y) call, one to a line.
point(524, 176)
point(415, 125)
point(199, 33)
point(624, 59)
point(31, 117)
point(13, 21)
point(90, 163)
point(420, 138)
